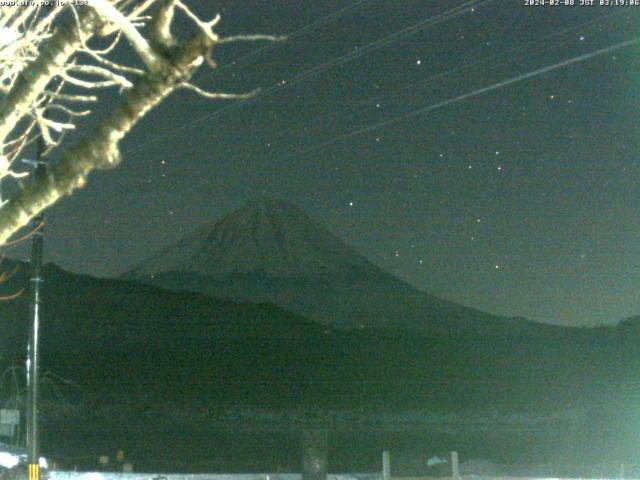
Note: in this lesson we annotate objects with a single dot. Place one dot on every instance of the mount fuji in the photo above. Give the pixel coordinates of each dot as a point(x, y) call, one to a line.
point(268, 250)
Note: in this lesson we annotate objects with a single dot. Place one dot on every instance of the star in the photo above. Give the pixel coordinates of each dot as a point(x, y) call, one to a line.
point(418, 62)
point(351, 204)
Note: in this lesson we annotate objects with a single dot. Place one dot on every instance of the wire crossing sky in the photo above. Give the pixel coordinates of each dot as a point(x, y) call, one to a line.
point(465, 96)
point(506, 58)
point(485, 152)
point(293, 35)
point(319, 69)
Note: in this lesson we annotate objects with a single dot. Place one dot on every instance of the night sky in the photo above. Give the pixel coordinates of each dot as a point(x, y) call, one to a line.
point(523, 200)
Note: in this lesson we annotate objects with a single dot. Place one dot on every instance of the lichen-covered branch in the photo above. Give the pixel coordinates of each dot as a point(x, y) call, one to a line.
point(34, 98)
point(100, 148)
point(33, 80)
point(109, 13)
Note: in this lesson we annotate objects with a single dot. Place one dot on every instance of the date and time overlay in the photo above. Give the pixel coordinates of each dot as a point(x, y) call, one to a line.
point(43, 3)
point(527, 3)
point(581, 3)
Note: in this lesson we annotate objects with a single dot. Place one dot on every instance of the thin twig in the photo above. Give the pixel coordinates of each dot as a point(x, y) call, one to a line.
point(218, 95)
point(251, 38)
point(35, 229)
point(13, 296)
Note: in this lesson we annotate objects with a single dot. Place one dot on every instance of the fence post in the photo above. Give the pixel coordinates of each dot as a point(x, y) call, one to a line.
point(315, 445)
point(386, 465)
point(455, 470)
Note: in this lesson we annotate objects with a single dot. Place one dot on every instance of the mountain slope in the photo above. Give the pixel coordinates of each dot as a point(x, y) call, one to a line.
point(149, 360)
point(83, 313)
point(270, 251)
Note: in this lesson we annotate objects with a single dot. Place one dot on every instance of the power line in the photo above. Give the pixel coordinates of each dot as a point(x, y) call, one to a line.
point(524, 47)
point(318, 69)
point(454, 12)
point(433, 107)
point(297, 33)
point(425, 382)
point(465, 96)
point(494, 56)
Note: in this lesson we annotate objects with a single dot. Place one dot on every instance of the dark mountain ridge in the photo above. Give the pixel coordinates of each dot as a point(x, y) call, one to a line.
point(97, 329)
point(135, 331)
point(83, 313)
point(270, 251)
point(134, 348)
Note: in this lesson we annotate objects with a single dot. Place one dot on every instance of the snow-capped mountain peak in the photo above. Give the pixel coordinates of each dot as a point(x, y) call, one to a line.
point(267, 235)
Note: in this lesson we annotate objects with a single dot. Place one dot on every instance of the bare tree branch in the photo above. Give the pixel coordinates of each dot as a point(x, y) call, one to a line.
point(40, 71)
point(218, 95)
point(33, 80)
point(100, 148)
point(13, 296)
point(99, 57)
point(23, 238)
point(250, 38)
point(111, 14)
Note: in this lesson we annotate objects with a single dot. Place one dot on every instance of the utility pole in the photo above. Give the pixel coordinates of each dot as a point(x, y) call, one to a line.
point(37, 240)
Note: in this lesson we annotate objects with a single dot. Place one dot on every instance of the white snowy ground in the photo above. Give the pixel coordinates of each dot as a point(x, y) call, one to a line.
point(63, 475)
